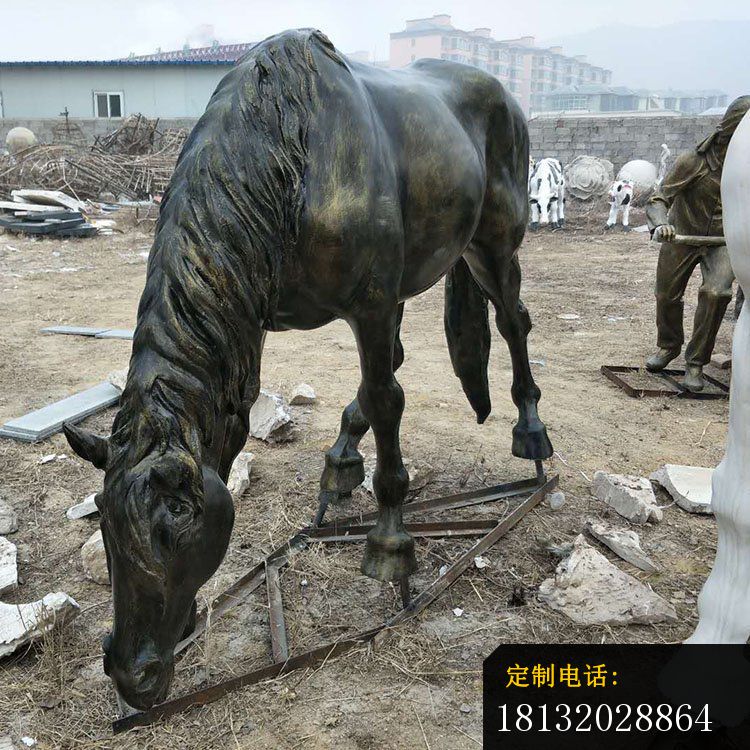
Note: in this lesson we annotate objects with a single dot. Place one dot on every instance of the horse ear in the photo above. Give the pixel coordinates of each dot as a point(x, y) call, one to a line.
point(88, 446)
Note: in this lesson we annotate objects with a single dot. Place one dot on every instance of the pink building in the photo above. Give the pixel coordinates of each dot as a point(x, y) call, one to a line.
point(527, 71)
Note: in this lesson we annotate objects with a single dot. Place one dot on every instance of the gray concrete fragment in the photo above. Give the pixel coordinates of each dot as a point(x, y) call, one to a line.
point(86, 507)
point(690, 486)
point(590, 590)
point(8, 566)
point(74, 330)
point(302, 395)
point(8, 517)
point(632, 497)
point(239, 474)
point(94, 559)
point(556, 500)
point(48, 420)
point(116, 333)
point(625, 543)
point(419, 476)
point(21, 624)
point(270, 418)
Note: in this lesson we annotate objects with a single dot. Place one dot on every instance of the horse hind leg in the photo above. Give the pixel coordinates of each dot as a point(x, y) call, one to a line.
point(344, 468)
point(494, 264)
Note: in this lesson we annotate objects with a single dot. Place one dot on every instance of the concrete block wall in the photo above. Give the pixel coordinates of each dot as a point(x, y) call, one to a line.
point(77, 130)
point(618, 139)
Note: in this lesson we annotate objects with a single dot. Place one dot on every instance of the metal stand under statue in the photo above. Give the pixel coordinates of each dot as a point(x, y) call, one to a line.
point(724, 602)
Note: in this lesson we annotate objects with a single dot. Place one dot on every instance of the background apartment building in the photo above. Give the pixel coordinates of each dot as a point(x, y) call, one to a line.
point(529, 72)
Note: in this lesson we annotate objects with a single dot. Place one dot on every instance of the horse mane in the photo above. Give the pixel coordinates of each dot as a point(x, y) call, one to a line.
point(228, 221)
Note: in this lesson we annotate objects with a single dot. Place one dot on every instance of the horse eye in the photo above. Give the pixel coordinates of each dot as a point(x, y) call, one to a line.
point(175, 506)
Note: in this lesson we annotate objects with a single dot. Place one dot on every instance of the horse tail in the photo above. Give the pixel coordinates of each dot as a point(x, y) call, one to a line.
point(467, 329)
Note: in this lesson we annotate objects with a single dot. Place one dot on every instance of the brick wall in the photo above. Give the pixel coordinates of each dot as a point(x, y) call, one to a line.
point(618, 139)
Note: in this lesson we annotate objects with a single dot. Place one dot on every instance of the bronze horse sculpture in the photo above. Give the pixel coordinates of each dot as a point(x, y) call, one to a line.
point(313, 188)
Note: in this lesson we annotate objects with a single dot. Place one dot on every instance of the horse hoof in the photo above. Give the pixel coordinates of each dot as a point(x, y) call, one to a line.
point(341, 475)
point(534, 226)
point(531, 443)
point(389, 557)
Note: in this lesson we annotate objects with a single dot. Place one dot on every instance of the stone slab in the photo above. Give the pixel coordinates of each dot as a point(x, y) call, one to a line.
point(689, 486)
point(74, 330)
point(590, 590)
point(86, 507)
point(22, 623)
point(116, 333)
point(8, 566)
point(40, 424)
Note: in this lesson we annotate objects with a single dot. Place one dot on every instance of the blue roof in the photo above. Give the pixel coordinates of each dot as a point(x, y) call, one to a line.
point(109, 63)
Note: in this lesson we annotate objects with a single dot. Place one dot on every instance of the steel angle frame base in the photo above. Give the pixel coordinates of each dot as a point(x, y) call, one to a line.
point(670, 387)
point(348, 529)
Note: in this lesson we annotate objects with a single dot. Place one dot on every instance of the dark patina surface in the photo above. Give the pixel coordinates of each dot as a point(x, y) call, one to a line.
point(313, 188)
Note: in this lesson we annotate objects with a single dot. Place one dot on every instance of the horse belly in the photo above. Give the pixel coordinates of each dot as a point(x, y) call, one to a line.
point(441, 213)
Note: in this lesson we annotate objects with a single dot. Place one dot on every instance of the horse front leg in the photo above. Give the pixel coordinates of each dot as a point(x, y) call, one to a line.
point(344, 467)
point(389, 552)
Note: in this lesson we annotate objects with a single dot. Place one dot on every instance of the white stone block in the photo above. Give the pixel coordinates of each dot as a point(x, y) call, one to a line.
point(632, 497)
point(590, 590)
point(690, 486)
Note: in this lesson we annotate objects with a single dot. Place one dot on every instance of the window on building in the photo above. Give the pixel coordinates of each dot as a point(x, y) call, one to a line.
point(108, 104)
point(413, 42)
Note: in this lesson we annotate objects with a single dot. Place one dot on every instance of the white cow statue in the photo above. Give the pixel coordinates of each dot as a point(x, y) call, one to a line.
point(547, 194)
point(620, 201)
point(724, 602)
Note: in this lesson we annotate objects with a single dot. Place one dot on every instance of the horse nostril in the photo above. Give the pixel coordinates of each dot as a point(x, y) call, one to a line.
point(147, 677)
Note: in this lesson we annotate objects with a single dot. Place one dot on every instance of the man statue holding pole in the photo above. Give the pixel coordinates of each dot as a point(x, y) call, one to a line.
point(684, 214)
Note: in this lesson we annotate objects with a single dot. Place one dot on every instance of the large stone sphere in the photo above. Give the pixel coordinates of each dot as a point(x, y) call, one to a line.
point(19, 139)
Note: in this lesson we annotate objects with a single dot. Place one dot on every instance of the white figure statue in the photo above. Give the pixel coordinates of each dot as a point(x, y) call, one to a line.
point(724, 602)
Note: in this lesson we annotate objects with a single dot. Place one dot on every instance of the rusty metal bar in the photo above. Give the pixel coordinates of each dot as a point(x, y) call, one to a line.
point(668, 377)
point(322, 653)
point(279, 643)
point(465, 561)
point(239, 591)
point(215, 692)
point(449, 502)
point(435, 529)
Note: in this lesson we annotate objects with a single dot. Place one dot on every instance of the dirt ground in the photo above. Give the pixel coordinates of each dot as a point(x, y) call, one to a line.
point(420, 686)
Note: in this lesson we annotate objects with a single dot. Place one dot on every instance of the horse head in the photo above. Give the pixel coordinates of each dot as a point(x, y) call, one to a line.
point(166, 523)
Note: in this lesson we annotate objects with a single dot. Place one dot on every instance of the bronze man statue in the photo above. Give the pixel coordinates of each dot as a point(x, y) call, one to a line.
point(688, 202)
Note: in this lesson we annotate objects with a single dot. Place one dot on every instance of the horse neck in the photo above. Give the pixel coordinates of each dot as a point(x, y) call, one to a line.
point(194, 362)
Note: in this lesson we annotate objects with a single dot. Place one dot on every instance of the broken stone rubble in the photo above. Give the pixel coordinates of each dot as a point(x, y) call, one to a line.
point(8, 566)
point(590, 590)
point(270, 418)
point(302, 395)
point(625, 543)
point(21, 624)
point(239, 474)
point(94, 559)
point(8, 518)
point(86, 507)
point(690, 486)
point(419, 477)
point(632, 497)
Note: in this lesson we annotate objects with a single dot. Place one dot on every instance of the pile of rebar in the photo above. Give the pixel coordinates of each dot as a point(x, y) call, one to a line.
point(88, 174)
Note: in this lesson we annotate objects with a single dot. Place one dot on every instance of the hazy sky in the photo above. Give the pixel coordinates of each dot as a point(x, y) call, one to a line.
point(96, 29)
